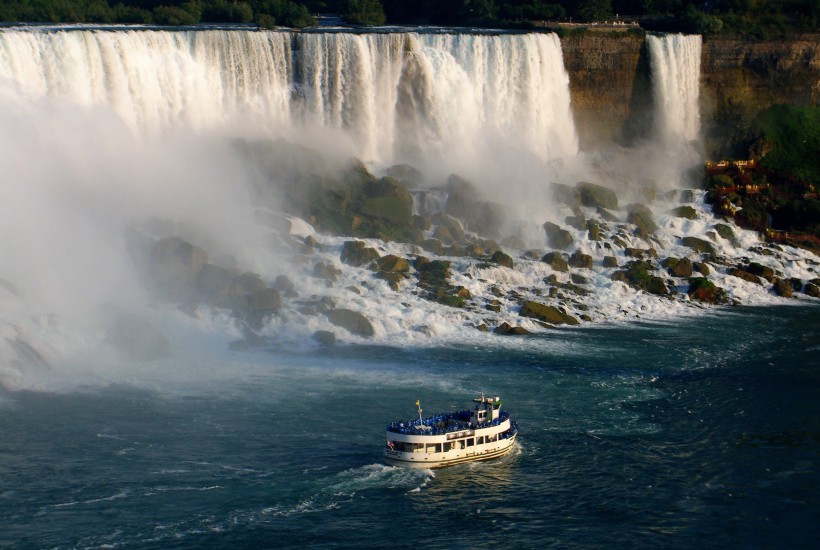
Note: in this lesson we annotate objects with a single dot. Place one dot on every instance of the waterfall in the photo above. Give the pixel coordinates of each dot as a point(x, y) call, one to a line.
point(675, 62)
point(394, 97)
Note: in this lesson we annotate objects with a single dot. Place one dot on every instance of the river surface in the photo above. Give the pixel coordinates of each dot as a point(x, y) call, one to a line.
point(702, 432)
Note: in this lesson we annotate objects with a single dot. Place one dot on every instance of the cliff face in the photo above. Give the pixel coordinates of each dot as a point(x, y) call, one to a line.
point(739, 79)
point(612, 95)
point(609, 85)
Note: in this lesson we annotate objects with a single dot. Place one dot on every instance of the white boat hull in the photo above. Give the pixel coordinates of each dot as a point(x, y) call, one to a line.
point(457, 456)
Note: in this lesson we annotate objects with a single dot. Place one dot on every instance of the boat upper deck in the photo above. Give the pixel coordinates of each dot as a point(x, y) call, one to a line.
point(443, 423)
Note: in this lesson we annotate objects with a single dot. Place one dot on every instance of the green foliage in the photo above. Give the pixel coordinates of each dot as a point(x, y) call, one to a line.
point(226, 11)
point(793, 134)
point(363, 12)
point(594, 10)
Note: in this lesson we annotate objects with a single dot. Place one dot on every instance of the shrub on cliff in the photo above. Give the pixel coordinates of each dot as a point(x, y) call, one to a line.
point(363, 12)
point(792, 135)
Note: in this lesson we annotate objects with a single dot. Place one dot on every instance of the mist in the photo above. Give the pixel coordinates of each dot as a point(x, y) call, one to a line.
point(106, 135)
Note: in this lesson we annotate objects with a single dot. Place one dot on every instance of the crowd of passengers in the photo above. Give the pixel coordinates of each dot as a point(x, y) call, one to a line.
point(442, 423)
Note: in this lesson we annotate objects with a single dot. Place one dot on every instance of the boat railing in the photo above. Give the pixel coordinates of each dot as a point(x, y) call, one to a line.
point(442, 424)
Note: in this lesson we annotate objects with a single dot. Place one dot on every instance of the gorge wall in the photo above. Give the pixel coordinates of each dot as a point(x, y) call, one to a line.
point(612, 96)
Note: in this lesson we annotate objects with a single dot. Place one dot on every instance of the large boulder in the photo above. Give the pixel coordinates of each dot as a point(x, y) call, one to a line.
point(685, 211)
point(704, 290)
point(173, 266)
point(352, 321)
point(699, 245)
point(555, 261)
point(678, 267)
point(505, 329)
point(448, 228)
point(782, 288)
point(547, 314)
point(597, 195)
point(388, 200)
point(355, 253)
point(463, 202)
point(761, 271)
point(392, 264)
point(557, 237)
point(565, 194)
point(743, 274)
point(502, 259)
point(580, 260)
point(406, 174)
point(641, 217)
point(812, 290)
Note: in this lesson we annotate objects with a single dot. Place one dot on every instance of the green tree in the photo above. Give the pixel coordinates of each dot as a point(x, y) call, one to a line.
point(594, 10)
point(363, 12)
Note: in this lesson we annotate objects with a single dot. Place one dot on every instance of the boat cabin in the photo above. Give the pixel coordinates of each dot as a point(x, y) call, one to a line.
point(486, 410)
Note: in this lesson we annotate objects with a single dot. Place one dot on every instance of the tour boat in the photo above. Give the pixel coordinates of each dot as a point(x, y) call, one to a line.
point(445, 439)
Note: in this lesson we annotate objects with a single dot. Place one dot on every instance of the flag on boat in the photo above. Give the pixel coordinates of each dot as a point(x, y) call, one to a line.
point(417, 403)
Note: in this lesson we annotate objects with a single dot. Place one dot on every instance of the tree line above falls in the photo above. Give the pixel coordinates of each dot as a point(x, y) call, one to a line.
point(755, 18)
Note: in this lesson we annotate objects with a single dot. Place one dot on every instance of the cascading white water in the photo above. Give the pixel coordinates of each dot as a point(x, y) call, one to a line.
point(397, 97)
point(675, 63)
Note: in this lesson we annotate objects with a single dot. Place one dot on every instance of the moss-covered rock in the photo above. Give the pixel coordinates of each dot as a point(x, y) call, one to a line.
point(761, 271)
point(392, 264)
point(610, 261)
point(578, 222)
point(547, 314)
point(811, 289)
point(701, 268)
point(406, 174)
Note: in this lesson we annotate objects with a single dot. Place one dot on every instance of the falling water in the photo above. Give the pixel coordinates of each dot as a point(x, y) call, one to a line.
point(395, 97)
point(675, 60)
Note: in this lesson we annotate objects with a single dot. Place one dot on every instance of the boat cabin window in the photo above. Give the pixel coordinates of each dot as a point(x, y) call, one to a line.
point(434, 448)
point(448, 446)
point(480, 440)
point(471, 442)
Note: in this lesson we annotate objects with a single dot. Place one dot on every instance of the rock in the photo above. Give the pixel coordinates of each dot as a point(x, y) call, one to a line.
point(745, 275)
point(392, 264)
point(637, 276)
point(641, 217)
point(578, 222)
point(725, 231)
point(594, 230)
point(393, 278)
point(701, 268)
point(264, 301)
point(597, 195)
point(782, 288)
point(354, 322)
point(606, 215)
point(580, 260)
point(640, 253)
point(173, 266)
point(388, 199)
point(687, 195)
point(448, 226)
point(761, 271)
point(566, 194)
point(555, 261)
point(678, 267)
point(355, 253)
point(578, 279)
point(137, 339)
point(610, 261)
point(547, 314)
point(284, 285)
point(684, 212)
point(505, 329)
point(406, 174)
point(704, 290)
point(619, 276)
point(812, 290)
point(463, 202)
point(699, 245)
point(423, 222)
point(493, 305)
point(433, 245)
point(325, 338)
point(502, 259)
point(557, 237)
point(326, 271)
